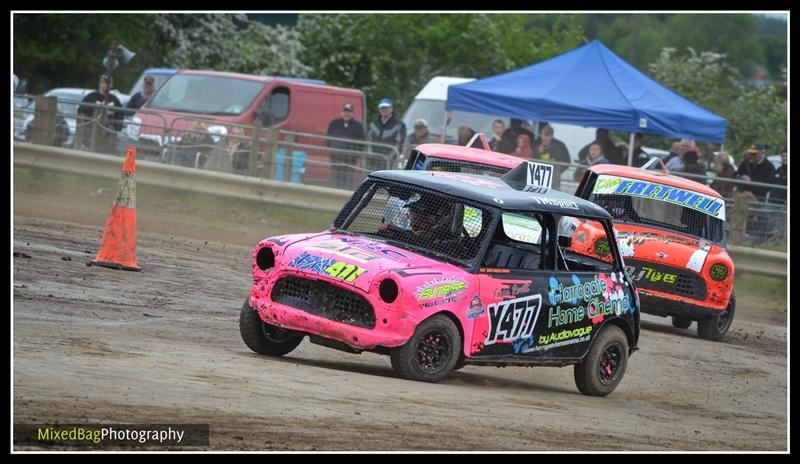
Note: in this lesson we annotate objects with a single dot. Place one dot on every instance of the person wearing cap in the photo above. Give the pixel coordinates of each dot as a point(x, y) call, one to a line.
point(113, 122)
point(386, 129)
point(140, 98)
point(420, 134)
point(343, 164)
point(756, 169)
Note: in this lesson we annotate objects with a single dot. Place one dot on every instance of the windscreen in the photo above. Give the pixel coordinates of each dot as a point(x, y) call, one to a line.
point(215, 95)
point(416, 219)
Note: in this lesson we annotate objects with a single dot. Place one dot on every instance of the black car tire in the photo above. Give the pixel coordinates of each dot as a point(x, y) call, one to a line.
point(266, 338)
point(714, 328)
point(608, 351)
point(681, 322)
point(430, 353)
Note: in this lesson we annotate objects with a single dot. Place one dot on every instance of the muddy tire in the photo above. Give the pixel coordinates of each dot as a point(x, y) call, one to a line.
point(462, 361)
point(431, 353)
point(681, 322)
point(714, 328)
point(604, 366)
point(265, 338)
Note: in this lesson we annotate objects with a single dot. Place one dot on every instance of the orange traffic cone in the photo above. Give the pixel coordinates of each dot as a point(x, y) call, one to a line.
point(118, 249)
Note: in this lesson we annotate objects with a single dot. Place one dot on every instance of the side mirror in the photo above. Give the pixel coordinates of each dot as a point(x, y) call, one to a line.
point(265, 117)
point(564, 241)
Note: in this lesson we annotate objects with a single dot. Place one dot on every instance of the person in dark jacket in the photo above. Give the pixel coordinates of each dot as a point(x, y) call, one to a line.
point(343, 164)
point(420, 134)
point(387, 129)
point(594, 156)
point(781, 177)
point(140, 98)
point(508, 143)
point(113, 119)
point(692, 165)
point(498, 127)
point(610, 151)
point(548, 148)
point(756, 169)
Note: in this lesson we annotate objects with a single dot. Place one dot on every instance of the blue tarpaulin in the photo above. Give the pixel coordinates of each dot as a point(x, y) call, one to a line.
point(591, 87)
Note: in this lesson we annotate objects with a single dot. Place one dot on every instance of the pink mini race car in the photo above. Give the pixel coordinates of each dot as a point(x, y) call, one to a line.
point(455, 158)
point(442, 269)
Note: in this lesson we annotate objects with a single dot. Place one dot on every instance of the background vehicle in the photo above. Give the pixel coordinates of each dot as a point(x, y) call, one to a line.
point(221, 98)
point(442, 269)
point(160, 74)
point(671, 232)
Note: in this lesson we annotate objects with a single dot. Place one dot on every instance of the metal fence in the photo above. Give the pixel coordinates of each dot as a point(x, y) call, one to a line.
point(311, 159)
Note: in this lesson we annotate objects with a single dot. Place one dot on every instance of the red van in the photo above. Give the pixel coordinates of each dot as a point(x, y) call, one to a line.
point(225, 98)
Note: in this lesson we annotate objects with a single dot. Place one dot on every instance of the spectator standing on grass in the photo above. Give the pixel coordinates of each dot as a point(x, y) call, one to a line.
point(113, 121)
point(343, 164)
point(420, 134)
point(524, 149)
point(691, 164)
point(387, 129)
point(756, 169)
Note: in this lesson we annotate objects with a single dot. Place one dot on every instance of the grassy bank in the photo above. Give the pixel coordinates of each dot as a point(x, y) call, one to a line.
point(87, 200)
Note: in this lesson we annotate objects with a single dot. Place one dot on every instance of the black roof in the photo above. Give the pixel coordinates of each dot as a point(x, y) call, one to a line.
point(479, 189)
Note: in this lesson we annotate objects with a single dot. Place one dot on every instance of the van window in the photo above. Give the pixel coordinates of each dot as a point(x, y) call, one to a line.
point(204, 94)
point(277, 103)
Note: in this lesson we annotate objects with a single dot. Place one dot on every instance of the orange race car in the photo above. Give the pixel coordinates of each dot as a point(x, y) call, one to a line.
point(671, 233)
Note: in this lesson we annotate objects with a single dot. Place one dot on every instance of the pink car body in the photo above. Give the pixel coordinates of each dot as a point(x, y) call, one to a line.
point(437, 156)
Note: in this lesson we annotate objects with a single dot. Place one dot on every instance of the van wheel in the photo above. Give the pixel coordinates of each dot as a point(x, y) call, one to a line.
point(266, 338)
point(714, 328)
point(681, 322)
point(604, 366)
point(431, 353)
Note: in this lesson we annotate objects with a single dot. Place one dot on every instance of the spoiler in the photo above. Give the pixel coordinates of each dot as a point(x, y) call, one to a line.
point(530, 174)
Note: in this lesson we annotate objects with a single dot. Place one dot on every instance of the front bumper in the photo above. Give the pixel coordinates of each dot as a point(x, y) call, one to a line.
point(393, 325)
point(661, 304)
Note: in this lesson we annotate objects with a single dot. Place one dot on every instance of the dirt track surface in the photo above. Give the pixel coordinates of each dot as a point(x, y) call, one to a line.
point(162, 345)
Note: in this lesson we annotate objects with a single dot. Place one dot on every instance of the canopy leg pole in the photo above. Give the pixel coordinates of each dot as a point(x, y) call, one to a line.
point(630, 149)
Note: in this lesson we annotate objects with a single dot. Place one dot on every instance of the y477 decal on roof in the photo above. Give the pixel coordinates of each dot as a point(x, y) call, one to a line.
point(614, 185)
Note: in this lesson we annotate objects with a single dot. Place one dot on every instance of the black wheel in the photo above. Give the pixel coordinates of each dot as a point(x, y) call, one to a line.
point(714, 328)
point(681, 322)
point(603, 367)
point(431, 353)
point(460, 363)
point(265, 338)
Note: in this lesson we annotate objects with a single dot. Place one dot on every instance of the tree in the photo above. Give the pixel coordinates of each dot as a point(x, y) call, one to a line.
point(394, 55)
point(707, 80)
point(53, 50)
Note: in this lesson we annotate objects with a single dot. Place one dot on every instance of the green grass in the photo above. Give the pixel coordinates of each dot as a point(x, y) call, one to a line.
point(87, 200)
point(761, 293)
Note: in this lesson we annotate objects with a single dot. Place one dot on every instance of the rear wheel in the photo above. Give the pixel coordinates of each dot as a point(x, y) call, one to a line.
point(604, 366)
point(266, 338)
point(431, 353)
point(715, 327)
point(681, 322)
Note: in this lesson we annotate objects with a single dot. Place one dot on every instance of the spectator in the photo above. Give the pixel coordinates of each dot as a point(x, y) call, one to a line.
point(611, 152)
point(140, 98)
point(594, 156)
point(640, 157)
point(508, 142)
point(465, 134)
point(113, 119)
point(691, 164)
point(420, 134)
point(674, 152)
point(388, 129)
point(724, 170)
point(498, 127)
point(781, 178)
point(548, 148)
point(343, 164)
point(756, 169)
point(238, 149)
point(524, 149)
